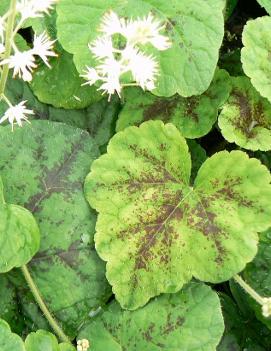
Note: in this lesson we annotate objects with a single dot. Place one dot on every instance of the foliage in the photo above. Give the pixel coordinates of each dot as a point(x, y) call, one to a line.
point(139, 219)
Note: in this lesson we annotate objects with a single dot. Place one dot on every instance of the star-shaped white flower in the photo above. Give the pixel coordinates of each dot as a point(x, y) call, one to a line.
point(112, 24)
point(23, 64)
point(102, 48)
point(16, 114)
point(34, 8)
point(146, 30)
point(42, 46)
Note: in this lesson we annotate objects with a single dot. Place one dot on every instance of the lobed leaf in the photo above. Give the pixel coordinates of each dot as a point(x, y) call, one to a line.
point(255, 55)
point(8, 340)
point(155, 231)
point(53, 160)
point(193, 116)
point(45, 341)
point(189, 320)
point(194, 27)
point(246, 117)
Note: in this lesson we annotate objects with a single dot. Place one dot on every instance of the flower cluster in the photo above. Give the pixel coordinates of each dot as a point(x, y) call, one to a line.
point(114, 62)
point(23, 62)
point(266, 307)
point(83, 345)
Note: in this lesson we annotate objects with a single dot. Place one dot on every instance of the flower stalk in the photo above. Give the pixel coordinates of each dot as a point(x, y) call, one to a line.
point(265, 302)
point(37, 295)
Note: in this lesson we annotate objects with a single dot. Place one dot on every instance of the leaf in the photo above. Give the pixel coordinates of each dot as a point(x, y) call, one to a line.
point(155, 231)
point(258, 274)
point(8, 340)
point(61, 86)
point(255, 55)
point(20, 235)
point(53, 160)
point(246, 117)
point(98, 119)
point(266, 4)
point(194, 27)
point(189, 320)
point(193, 116)
point(45, 341)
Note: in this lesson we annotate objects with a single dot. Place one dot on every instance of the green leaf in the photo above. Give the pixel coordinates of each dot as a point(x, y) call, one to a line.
point(98, 119)
point(155, 231)
point(20, 235)
point(246, 117)
point(45, 341)
point(53, 160)
point(8, 340)
point(189, 320)
point(193, 116)
point(258, 274)
point(61, 86)
point(194, 27)
point(255, 54)
point(266, 4)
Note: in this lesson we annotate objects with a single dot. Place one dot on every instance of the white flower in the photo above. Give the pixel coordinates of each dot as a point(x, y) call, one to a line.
point(112, 24)
point(43, 46)
point(17, 114)
point(83, 345)
point(102, 47)
point(2, 48)
point(34, 8)
point(2, 29)
point(146, 31)
point(91, 76)
point(22, 63)
point(110, 86)
point(266, 307)
point(144, 68)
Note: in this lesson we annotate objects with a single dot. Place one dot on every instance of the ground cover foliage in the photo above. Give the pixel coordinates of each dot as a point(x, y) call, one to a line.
point(139, 220)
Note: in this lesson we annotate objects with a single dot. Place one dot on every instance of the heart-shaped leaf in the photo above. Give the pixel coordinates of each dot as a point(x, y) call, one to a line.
point(155, 231)
point(246, 117)
point(53, 160)
point(189, 320)
point(193, 116)
point(255, 54)
point(19, 235)
point(194, 27)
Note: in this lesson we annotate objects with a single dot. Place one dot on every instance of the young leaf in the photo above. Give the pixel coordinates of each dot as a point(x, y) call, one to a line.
point(53, 160)
point(45, 341)
point(255, 54)
point(8, 340)
point(19, 235)
point(194, 27)
point(193, 116)
point(246, 117)
point(155, 231)
point(189, 320)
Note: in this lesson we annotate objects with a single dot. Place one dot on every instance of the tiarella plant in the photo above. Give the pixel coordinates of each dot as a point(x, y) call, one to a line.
point(136, 201)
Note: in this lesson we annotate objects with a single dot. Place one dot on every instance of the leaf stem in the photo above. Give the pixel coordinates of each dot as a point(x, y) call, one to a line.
point(249, 289)
point(8, 45)
point(35, 291)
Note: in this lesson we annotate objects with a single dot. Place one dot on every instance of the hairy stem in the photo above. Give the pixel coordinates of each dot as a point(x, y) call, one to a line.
point(248, 289)
point(8, 45)
point(35, 291)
